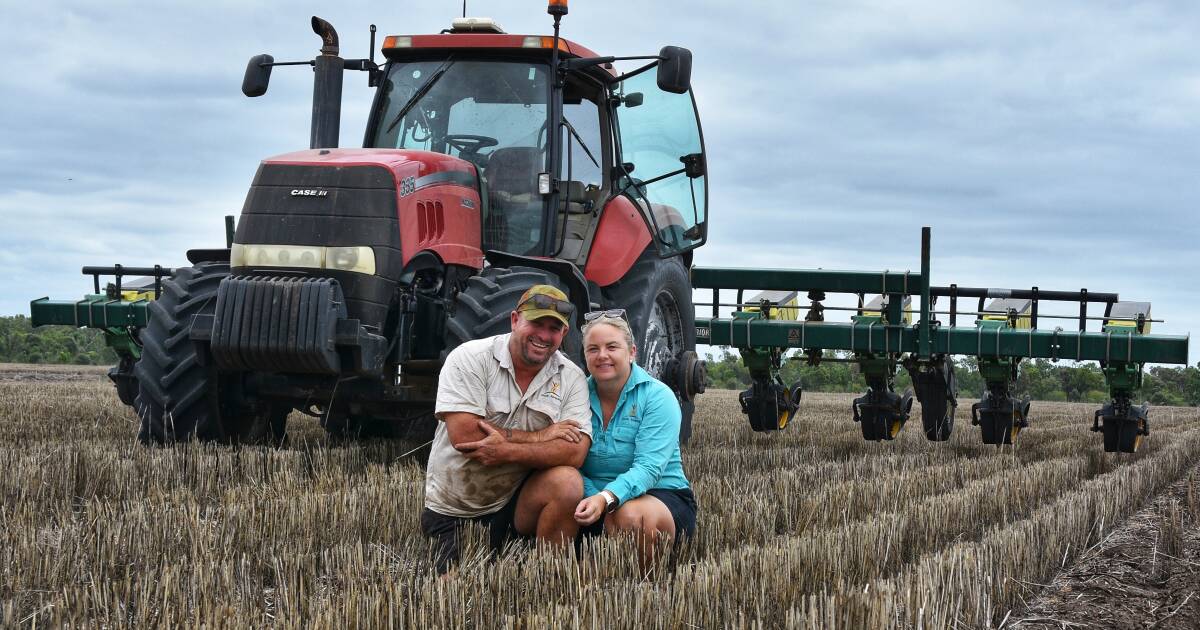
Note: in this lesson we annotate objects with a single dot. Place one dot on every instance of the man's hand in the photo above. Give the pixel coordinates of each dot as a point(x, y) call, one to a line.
point(556, 431)
point(559, 431)
point(554, 446)
point(489, 451)
point(589, 510)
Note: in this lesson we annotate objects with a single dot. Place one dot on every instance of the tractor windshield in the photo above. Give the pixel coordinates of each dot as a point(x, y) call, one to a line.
point(491, 113)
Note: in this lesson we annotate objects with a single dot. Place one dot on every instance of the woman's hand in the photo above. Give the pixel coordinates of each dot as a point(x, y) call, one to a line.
point(560, 431)
point(589, 510)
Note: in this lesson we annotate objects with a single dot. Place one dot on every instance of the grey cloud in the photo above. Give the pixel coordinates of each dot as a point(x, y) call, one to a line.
point(1053, 144)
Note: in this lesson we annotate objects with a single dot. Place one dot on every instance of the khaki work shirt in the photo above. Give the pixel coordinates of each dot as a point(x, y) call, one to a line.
point(478, 378)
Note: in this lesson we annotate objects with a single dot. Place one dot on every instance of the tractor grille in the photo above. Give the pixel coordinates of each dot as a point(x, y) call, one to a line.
point(431, 222)
point(358, 207)
point(277, 324)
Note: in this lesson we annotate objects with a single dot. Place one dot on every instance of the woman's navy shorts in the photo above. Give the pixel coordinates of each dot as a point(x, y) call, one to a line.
point(681, 503)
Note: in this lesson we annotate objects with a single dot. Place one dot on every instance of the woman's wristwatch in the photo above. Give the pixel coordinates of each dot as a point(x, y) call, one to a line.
point(610, 501)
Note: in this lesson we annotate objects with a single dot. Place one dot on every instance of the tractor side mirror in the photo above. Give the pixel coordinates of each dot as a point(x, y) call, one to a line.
point(258, 75)
point(674, 69)
point(633, 99)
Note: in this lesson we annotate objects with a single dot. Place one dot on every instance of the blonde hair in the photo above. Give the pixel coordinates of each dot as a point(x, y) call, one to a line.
point(616, 322)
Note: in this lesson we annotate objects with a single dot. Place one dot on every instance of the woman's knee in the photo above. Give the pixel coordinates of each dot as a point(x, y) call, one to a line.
point(631, 517)
point(643, 518)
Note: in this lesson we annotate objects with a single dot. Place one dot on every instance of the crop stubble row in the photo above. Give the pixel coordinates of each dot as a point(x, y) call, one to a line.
point(809, 527)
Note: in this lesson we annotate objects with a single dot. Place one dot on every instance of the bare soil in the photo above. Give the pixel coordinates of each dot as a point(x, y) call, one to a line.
point(56, 373)
point(1145, 574)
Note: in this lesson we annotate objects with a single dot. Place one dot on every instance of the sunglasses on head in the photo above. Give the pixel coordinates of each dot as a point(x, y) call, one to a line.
point(546, 302)
point(615, 313)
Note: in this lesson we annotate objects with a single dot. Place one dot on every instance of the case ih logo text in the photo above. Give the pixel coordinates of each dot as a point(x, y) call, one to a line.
point(309, 192)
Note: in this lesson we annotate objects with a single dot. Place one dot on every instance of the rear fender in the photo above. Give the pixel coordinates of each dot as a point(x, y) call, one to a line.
point(620, 238)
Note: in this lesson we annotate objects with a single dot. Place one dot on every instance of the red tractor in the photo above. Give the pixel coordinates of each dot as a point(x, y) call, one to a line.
point(490, 162)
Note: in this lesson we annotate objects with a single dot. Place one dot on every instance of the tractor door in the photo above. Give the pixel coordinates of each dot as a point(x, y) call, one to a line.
point(661, 162)
point(585, 159)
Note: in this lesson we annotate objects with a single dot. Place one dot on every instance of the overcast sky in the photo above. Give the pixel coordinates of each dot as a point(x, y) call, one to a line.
point(1047, 143)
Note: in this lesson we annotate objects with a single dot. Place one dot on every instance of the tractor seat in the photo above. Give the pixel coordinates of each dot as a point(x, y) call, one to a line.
point(578, 203)
point(512, 174)
point(515, 207)
point(577, 200)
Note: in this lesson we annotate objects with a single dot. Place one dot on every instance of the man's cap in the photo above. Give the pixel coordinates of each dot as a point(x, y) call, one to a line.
point(553, 304)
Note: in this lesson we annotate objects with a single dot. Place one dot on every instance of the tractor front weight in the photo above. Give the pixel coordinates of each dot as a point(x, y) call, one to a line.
point(882, 335)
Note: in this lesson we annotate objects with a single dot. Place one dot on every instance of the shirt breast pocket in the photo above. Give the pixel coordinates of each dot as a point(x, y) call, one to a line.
point(544, 411)
point(627, 432)
point(498, 411)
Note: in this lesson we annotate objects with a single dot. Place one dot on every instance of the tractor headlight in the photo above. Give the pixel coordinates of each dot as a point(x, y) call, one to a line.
point(237, 255)
point(360, 259)
point(279, 256)
point(357, 259)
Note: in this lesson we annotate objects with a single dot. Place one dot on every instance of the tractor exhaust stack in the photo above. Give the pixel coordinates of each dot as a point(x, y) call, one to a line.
point(327, 89)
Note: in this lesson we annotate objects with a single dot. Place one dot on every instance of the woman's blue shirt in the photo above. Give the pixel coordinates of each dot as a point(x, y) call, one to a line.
point(639, 450)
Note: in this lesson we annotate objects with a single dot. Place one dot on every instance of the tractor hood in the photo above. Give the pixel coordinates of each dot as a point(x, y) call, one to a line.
point(393, 203)
point(424, 167)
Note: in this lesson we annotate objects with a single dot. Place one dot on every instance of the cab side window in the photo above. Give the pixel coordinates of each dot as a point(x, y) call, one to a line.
point(583, 157)
point(663, 154)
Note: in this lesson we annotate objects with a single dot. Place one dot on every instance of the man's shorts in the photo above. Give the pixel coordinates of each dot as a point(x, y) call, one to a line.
point(446, 531)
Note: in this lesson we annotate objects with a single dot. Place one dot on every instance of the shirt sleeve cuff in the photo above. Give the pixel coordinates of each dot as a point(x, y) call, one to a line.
point(620, 490)
point(442, 410)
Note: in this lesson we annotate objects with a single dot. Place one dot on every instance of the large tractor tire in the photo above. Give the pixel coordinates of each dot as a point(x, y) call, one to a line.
point(657, 298)
point(178, 398)
point(482, 308)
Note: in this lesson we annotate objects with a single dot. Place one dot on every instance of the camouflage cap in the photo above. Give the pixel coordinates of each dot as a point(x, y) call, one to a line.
point(543, 300)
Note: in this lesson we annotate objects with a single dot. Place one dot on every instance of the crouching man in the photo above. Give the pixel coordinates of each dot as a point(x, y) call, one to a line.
point(515, 427)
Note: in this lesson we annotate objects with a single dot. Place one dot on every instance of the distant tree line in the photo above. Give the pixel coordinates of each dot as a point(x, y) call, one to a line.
point(1040, 379)
point(22, 343)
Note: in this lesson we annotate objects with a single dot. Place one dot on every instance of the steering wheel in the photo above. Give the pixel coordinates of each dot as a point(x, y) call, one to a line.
point(469, 143)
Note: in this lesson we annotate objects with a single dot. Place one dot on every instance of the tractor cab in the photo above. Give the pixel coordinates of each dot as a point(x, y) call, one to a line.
point(553, 131)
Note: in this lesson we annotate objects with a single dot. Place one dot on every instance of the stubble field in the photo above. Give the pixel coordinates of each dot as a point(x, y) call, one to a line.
point(811, 527)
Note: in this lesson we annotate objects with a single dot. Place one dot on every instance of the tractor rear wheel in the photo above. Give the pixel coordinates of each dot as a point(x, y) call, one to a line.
point(178, 398)
point(657, 298)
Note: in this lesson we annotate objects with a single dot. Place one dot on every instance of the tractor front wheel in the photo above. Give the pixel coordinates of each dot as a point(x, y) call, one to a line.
point(178, 398)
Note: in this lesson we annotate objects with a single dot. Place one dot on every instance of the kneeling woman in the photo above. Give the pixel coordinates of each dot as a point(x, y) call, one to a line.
point(633, 477)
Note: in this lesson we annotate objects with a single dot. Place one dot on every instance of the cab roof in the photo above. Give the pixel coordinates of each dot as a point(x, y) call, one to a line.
point(397, 45)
